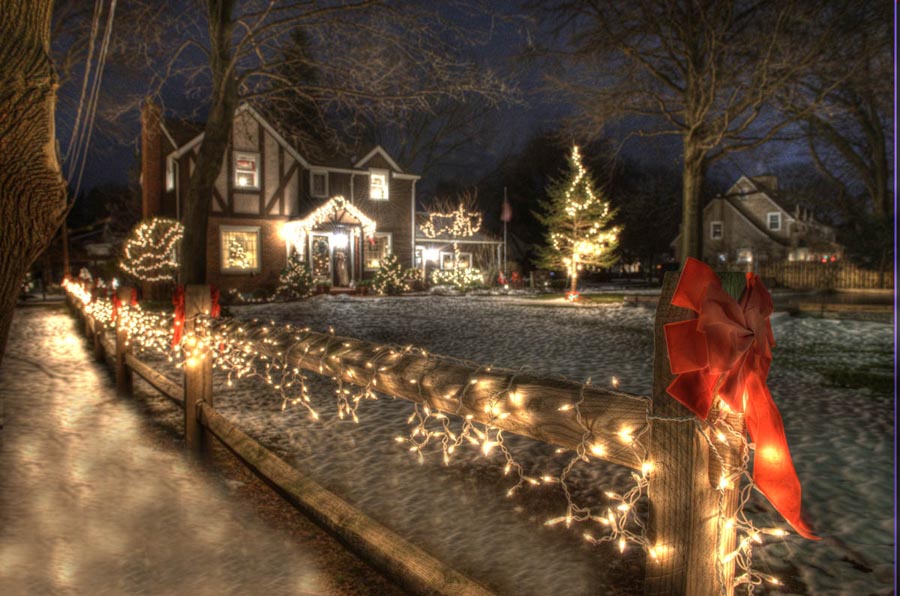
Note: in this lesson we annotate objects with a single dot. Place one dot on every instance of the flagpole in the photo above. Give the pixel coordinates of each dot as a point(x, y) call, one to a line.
point(505, 256)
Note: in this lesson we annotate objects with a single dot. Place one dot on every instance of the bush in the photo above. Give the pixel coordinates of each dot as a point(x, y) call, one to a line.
point(462, 278)
point(295, 280)
point(391, 278)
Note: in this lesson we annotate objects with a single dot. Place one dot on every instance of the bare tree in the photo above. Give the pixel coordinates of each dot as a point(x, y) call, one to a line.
point(850, 138)
point(369, 58)
point(706, 71)
point(32, 192)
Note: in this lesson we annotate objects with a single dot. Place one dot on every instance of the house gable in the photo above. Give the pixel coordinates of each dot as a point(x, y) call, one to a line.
point(371, 160)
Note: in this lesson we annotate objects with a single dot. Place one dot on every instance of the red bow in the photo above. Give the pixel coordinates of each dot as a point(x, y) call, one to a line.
point(725, 352)
point(134, 298)
point(214, 309)
point(116, 303)
point(178, 328)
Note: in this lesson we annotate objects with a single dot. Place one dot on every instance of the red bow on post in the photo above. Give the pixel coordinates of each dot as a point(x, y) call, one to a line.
point(116, 303)
point(178, 325)
point(725, 352)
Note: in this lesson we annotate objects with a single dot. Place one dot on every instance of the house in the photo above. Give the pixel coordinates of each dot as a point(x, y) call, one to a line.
point(435, 248)
point(342, 217)
point(754, 223)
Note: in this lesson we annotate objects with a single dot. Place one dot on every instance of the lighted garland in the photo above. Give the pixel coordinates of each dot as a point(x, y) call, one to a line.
point(150, 253)
point(263, 352)
point(297, 231)
point(457, 222)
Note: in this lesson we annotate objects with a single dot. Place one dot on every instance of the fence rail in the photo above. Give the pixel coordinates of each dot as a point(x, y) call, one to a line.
point(685, 501)
point(840, 275)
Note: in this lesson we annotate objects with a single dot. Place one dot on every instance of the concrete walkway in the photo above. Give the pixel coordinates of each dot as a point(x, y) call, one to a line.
point(90, 504)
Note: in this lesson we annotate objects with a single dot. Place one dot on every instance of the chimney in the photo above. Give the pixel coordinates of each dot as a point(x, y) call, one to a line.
point(151, 160)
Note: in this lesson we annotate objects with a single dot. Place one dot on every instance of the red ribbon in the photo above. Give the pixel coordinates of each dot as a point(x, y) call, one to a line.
point(725, 352)
point(178, 326)
point(134, 297)
point(116, 304)
point(214, 310)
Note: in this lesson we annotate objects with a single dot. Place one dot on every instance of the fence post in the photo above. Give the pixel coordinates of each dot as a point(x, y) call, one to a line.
point(123, 373)
point(684, 508)
point(99, 330)
point(197, 374)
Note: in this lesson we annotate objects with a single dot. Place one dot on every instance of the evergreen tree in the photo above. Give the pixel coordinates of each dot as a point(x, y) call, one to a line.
point(579, 224)
point(391, 277)
point(295, 280)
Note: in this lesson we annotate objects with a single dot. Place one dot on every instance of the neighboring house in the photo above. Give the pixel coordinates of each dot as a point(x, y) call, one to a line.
point(753, 223)
point(269, 200)
point(479, 250)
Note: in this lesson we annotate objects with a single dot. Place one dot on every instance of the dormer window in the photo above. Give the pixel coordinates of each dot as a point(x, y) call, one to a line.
point(318, 184)
point(378, 185)
point(246, 170)
point(774, 221)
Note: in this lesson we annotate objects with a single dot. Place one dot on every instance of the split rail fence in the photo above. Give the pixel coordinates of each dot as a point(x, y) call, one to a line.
point(684, 501)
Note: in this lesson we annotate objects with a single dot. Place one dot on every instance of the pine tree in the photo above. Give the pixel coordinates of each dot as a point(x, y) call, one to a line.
point(295, 280)
point(391, 277)
point(579, 233)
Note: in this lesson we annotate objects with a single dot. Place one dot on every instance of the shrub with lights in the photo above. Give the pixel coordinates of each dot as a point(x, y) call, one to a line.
point(579, 231)
point(295, 280)
point(151, 251)
point(460, 278)
point(391, 278)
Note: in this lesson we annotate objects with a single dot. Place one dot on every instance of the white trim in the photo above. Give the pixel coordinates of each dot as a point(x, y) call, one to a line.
point(162, 126)
point(769, 215)
point(448, 241)
point(401, 176)
point(752, 224)
point(463, 256)
point(312, 174)
point(255, 156)
point(376, 151)
point(721, 235)
point(390, 249)
point(412, 221)
point(233, 270)
point(387, 183)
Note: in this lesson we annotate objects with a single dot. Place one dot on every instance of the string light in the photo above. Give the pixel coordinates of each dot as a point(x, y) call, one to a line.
point(454, 223)
point(151, 250)
point(265, 352)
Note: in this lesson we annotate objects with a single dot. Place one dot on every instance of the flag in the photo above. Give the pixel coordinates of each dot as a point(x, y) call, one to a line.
point(506, 211)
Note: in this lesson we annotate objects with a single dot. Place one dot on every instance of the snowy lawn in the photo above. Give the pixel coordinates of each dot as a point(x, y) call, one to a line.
point(831, 379)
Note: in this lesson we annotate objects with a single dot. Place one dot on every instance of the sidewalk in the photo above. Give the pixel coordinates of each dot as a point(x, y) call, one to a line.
point(92, 503)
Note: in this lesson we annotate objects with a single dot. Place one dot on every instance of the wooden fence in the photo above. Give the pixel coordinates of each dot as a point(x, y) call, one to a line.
point(839, 275)
point(685, 504)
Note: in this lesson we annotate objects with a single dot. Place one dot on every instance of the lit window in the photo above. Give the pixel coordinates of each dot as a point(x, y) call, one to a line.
point(240, 249)
point(715, 230)
point(465, 260)
point(774, 220)
point(246, 170)
point(378, 185)
point(745, 255)
point(318, 184)
point(376, 249)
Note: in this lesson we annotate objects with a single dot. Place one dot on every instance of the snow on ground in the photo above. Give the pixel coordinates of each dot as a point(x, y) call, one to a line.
point(90, 505)
point(841, 439)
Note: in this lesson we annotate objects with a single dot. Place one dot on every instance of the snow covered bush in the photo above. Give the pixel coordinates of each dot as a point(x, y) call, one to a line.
point(295, 280)
point(391, 278)
point(461, 278)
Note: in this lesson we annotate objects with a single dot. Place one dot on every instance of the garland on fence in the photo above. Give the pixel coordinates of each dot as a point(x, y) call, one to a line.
point(265, 353)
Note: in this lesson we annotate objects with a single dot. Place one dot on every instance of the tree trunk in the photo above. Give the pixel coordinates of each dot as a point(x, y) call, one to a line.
point(32, 191)
point(214, 145)
point(691, 214)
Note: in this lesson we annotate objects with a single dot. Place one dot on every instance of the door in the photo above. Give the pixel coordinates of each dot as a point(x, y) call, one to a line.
point(320, 256)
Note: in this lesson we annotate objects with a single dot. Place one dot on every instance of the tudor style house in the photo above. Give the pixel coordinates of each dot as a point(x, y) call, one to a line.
point(754, 223)
point(342, 217)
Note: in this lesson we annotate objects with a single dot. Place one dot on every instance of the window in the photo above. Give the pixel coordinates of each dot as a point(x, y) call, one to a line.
point(318, 184)
point(465, 260)
point(774, 221)
point(240, 249)
point(378, 185)
point(745, 255)
point(246, 170)
point(376, 249)
point(715, 230)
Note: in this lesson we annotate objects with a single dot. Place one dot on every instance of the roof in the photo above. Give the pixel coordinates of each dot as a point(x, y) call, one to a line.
point(181, 131)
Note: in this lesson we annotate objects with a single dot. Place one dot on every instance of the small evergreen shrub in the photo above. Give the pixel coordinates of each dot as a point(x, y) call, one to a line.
point(295, 280)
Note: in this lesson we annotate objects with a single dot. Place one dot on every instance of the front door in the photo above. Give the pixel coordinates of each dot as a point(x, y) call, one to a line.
point(340, 259)
point(320, 256)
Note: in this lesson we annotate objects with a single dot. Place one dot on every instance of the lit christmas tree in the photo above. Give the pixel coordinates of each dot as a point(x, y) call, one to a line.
point(237, 255)
point(579, 231)
point(391, 278)
point(295, 280)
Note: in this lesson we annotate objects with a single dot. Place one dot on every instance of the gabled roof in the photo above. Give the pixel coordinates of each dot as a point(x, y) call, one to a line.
point(378, 150)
